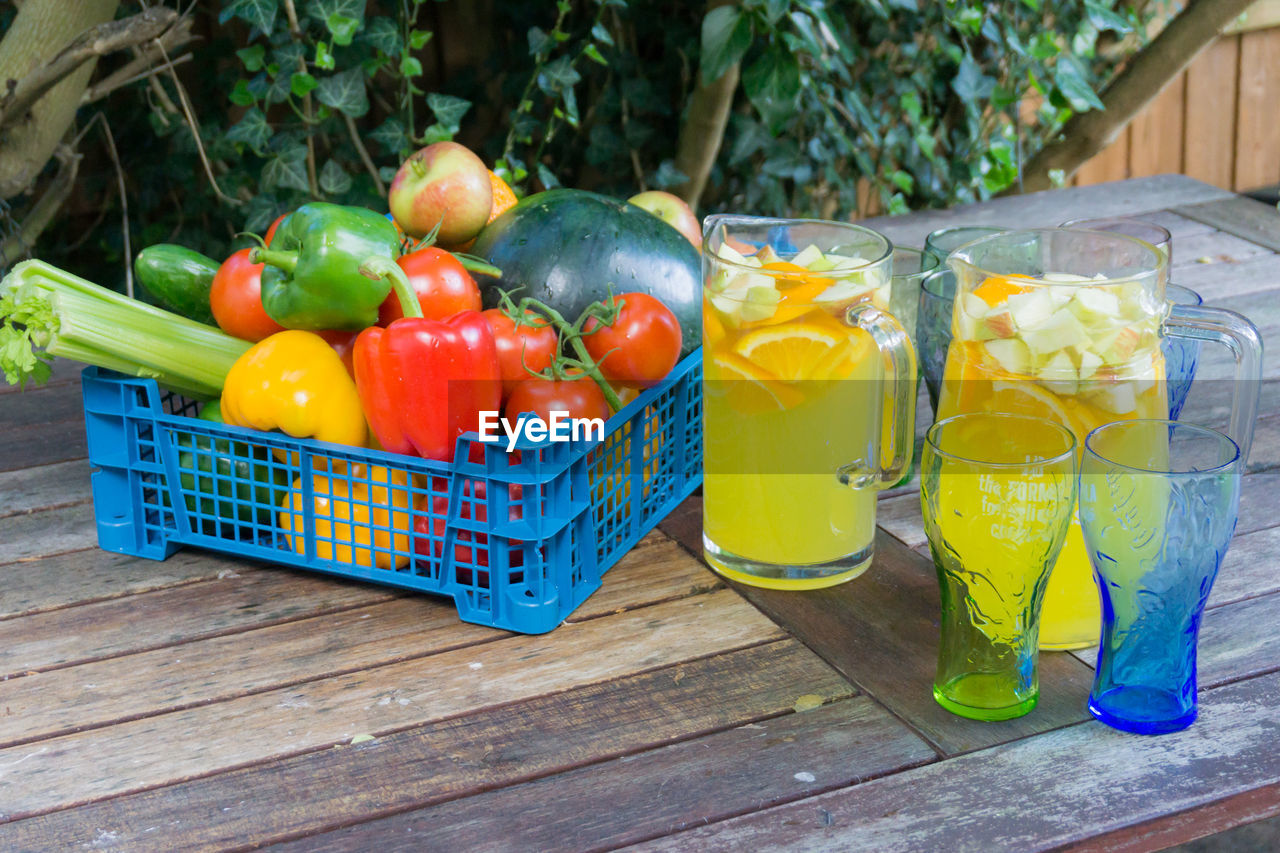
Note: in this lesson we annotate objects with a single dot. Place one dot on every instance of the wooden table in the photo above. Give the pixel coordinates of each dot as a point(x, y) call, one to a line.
point(207, 702)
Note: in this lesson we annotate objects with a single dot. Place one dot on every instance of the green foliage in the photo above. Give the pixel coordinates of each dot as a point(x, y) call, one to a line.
point(922, 102)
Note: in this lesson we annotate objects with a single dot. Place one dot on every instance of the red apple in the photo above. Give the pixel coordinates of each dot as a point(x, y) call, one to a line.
point(443, 183)
point(672, 210)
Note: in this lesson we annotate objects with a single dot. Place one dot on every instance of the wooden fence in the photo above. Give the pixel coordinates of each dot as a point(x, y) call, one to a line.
point(1218, 122)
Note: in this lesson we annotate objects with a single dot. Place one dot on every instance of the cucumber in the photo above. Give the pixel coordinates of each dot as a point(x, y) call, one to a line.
point(179, 278)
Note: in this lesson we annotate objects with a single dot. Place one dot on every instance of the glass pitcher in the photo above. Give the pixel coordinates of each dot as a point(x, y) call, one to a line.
point(801, 360)
point(1066, 324)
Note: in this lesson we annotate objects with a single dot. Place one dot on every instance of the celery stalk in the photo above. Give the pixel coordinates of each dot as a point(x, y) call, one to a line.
point(46, 312)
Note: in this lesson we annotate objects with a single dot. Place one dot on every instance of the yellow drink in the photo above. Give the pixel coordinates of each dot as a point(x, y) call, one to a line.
point(793, 388)
point(1081, 368)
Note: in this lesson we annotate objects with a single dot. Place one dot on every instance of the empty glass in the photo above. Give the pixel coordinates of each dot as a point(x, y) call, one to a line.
point(997, 493)
point(1156, 235)
point(910, 268)
point(944, 241)
point(933, 328)
point(1158, 503)
point(1180, 354)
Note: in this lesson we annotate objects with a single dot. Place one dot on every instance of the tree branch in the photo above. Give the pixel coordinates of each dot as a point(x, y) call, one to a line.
point(703, 130)
point(42, 212)
point(1157, 65)
point(95, 42)
point(295, 30)
point(364, 155)
point(144, 64)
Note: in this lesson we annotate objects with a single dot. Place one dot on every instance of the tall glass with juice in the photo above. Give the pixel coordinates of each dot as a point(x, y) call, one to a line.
point(1066, 325)
point(807, 383)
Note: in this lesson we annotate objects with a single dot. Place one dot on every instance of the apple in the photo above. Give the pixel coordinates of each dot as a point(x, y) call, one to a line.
point(444, 183)
point(1011, 354)
point(672, 210)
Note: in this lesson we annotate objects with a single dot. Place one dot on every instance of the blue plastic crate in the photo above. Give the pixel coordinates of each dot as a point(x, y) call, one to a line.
point(517, 540)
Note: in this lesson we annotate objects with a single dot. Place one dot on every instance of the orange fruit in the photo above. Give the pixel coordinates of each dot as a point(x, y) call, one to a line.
point(504, 198)
point(796, 351)
point(997, 289)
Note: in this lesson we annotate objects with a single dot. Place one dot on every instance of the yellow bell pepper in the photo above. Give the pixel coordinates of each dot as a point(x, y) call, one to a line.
point(362, 517)
point(293, 381)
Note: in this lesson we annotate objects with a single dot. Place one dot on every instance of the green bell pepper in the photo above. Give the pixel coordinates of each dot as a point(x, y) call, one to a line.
point(312, 279)
point(240, 474)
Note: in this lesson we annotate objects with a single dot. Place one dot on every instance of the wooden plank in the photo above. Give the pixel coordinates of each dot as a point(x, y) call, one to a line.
point(1155, 142)
point(63, 371)
point(91, 575)
point(1208, 137)
point(1224, 816)
point(1109, 164)
point(1245, 217)
point(44, 487)
point(1257, 130)
point(57, 442)
point(46, 532)
point(226, 605)
point(1035, 794)
point(880, 631)
point(1215, 248)
point(1051, 207)
point(1217, 281)
point(224, 667)
point(658, 792)
point(61, 772)
point(1248, 569)
point(1260, 15)
point(1178, 226)
point(42, 406)
point(450, 758)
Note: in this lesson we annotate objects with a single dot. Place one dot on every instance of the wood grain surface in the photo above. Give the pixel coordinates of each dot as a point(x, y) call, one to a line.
point(213, 703)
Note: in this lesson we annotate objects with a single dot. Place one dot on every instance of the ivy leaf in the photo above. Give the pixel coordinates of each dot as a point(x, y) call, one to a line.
point(387, 173)
point(772, 83)
point(288, 55)
point(345, 91)
point(252, 57)
point(261, 211)
point(323, 10)
point(539, 41)
point(547, 178)
point(1104, 18)
point(448, 110)
point(324, 58)
point(970, 83)
point(260, 14)
point(436, 132)
point(383, 34)
point(410, 66)
point(333, 179)
point(593, 53)
point(252, 130)
point(240, 94)
point(557, 75)
point(390, 136)
point(601, 33)
point(418, 38)
point(342, 27)
point(1069, 77)
point(668, 175)
point(726, 35)
point(278, 90)
point(287, 169)
point(301, 84)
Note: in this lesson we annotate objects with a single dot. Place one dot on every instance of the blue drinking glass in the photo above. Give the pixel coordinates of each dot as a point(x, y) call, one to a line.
point(1180, 354)
point(1158, 503)
point(933, 328)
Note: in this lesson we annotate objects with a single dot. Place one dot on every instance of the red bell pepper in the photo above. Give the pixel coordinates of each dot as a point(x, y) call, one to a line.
point(424, 382)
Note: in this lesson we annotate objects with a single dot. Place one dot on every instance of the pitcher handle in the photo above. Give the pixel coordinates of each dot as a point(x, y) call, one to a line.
point(1239, 335)
point(900, 361)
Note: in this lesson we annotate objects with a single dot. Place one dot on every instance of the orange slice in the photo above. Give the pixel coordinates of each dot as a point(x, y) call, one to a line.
point(997, 289)
point(1024, 397)
point(755, 389)
point(792, 352)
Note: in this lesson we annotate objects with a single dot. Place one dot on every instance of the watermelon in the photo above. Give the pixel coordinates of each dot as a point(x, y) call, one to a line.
point(569, 248)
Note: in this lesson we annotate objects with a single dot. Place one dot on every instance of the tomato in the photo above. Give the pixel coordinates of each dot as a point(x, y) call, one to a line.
point(431, 529)
point(520, 347)
point(641, 346)
point(580, 397)
point(441, 282)
point(271, 231)
point(236, 299)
